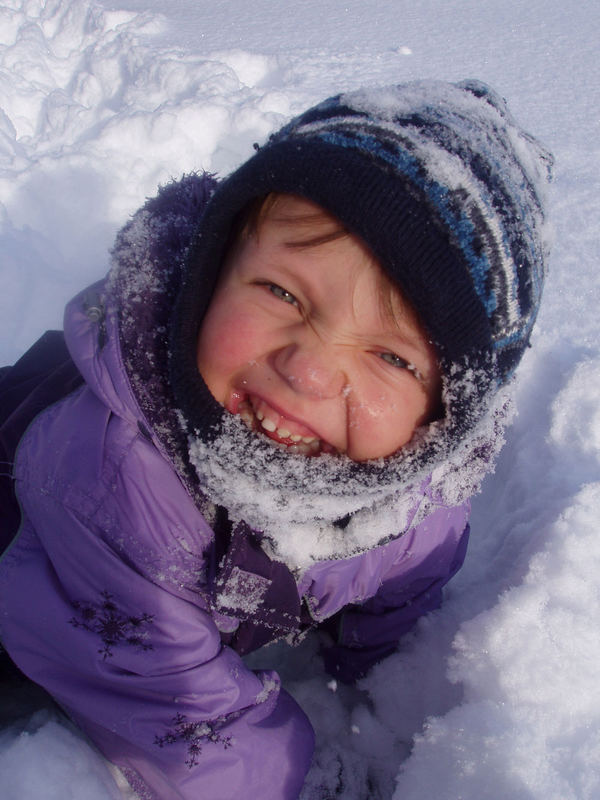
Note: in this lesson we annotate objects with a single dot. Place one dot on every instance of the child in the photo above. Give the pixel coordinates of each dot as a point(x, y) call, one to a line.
point(269, 418)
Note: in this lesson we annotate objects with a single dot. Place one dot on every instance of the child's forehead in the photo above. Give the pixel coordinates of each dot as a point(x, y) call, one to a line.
point(294, 209)
point(302, 222)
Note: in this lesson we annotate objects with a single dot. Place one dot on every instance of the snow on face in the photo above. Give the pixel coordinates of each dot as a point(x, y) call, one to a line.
point(296, 341)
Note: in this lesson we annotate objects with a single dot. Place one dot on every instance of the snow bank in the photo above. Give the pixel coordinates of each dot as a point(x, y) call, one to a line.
point(45, 759)
point(93, 119)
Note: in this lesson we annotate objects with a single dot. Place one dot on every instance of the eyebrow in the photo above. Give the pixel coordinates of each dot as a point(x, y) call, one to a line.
point(406, 334)
point(397, 310)
point(316, 241)
point(310, 221)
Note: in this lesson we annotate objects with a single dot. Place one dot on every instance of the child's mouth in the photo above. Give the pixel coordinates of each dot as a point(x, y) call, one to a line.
point(260, 417)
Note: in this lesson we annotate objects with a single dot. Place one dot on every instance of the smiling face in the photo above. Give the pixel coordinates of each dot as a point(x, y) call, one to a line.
point(307, 340)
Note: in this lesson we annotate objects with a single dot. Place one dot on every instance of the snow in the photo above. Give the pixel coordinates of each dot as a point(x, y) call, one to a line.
point(496, 695)
point(297, 501)
point(66, 768)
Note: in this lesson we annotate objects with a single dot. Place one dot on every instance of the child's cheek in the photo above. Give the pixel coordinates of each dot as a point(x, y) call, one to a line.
point(232, 337)
point(242, 339)
point(370, 417)
point(379, 425)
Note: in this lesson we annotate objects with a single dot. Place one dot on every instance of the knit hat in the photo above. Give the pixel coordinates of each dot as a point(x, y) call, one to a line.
point(446, 190)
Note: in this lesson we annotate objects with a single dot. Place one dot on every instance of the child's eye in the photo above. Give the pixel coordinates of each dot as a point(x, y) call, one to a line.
point(401, 363)
point(282, 294)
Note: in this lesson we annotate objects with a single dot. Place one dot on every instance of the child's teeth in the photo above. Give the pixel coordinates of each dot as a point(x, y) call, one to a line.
point(247, 417)
point(248, 414)
point(299, 448)
point(268, 424)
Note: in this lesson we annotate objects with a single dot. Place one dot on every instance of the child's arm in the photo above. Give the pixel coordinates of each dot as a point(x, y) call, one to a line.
point(102, 605)
point(365, 634)
point(183, 718)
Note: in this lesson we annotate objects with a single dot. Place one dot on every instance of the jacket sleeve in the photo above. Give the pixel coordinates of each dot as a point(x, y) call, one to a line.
point(112, 628)
point(43, 375)
point(177, 712)
point(364, 634)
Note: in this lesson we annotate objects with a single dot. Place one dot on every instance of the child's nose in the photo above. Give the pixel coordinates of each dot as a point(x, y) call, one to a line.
point(310, 371)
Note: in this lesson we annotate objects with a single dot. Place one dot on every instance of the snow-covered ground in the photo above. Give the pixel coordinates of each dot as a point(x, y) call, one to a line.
point(496, 695)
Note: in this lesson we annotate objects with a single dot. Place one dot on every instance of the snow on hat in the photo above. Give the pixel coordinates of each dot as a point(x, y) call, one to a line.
point(443, 187)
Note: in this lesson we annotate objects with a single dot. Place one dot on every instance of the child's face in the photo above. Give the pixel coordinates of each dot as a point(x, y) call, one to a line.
point(299, 340)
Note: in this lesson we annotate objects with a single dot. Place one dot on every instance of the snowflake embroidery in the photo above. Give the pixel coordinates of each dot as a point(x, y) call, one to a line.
point(195, 734)
point(111, 626)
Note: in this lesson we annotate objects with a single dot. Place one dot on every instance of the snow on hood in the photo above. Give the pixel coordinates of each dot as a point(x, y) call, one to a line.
point(328, 506)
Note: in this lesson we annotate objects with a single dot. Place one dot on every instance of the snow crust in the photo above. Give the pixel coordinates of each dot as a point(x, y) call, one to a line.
point(496, 695)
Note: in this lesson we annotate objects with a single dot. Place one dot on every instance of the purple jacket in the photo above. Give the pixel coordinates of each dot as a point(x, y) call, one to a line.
point(120, 598)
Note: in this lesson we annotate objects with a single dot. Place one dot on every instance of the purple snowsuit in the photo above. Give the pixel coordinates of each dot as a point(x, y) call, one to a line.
point(120, 598)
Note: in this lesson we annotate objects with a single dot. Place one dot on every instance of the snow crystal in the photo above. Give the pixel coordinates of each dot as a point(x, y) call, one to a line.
point(270, 685)
point(243, 590)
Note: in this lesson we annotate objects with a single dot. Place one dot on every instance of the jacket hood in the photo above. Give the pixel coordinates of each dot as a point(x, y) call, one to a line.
point(147, 265)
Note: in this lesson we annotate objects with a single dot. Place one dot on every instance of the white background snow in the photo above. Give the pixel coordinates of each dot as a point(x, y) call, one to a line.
point(498, 694)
